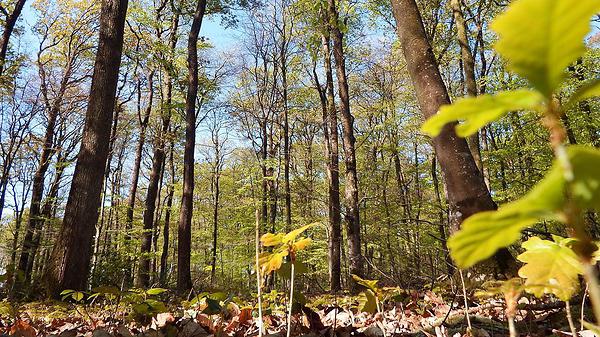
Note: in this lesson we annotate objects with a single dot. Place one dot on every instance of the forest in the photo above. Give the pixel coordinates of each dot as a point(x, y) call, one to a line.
point(365, 168)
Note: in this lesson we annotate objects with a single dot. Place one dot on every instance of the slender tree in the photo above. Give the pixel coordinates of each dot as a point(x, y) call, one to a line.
point(184, 278)
point(348, 141)
point(9, 25)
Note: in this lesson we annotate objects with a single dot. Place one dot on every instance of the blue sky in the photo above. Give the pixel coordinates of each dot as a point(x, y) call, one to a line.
point(219, 36)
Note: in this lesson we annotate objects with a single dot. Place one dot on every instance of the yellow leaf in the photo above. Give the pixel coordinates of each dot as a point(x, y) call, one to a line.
point(271, 239)
point(301, 244)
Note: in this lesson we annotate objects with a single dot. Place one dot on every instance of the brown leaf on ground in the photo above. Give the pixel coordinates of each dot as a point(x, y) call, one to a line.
point(22, 329)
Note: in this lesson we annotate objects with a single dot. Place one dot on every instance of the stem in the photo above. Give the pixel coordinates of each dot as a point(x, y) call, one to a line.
point(573, 216)
point(511, 327)
point(462, 281)
point(258, 283)
point(585, 294)
point(593, 289)
point(570, 319)
point(289, 318)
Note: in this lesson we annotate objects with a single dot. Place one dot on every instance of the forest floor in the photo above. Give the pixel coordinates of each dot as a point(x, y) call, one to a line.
point(422, 313)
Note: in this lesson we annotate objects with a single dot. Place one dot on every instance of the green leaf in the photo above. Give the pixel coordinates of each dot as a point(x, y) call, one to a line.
point(213, 307)
point(77, 296)
point(540, 38)
point(286, 269)
point(369, 284)
point(585, 187)
point(476, 112)
point(367, 301)
point(587, 90)
point(155, 291)
point(482, 234)
point(550, 267)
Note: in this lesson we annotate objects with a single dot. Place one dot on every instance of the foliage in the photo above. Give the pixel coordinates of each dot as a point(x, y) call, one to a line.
point(538, 49)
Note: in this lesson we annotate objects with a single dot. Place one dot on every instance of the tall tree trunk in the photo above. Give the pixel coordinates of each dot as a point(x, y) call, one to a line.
point(35, 217)
point(465, 187)
point(184, 242)
point(143, 274)
point(286, 125)
point(165, 248)
point(351, 188)
point(135, 172)
point(9, 26)
point(216, 195)
point(69, 263)
point(468, 65)
point(330, 130)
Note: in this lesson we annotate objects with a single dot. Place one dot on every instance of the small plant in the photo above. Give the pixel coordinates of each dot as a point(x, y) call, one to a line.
point(284, 245)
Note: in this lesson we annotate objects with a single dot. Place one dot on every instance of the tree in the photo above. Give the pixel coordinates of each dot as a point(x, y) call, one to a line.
point(351, 185)
point(466, 190)
point(184, 278)
point(9, 26)
point(70, 259)
point(70, 49)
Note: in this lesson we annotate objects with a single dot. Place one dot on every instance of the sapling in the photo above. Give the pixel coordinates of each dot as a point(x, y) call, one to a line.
point(283, 245)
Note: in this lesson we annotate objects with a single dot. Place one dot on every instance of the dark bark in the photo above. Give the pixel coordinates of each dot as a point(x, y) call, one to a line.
point(184, 277)
point(165, 248)
point(348, 140)
point(466, 190)
point(143, 274)
point(330, 132)
point(69, 263)
point(9, 26)
point(36, 219)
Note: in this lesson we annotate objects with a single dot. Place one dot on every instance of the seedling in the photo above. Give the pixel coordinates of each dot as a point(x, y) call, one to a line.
point(283, 245)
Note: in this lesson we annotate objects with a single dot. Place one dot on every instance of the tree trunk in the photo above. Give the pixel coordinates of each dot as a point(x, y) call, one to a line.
point(69, 263)
point(9, 26)
point(184, 278)
point(165, 248)
point(35, 217)
point(466, 190)
point(216, 195)
point(143, 274)
point(330, 132)
point(468, 65)
point(351, 189)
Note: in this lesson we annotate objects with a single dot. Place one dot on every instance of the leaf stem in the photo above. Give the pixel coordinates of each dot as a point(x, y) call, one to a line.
point(291, 302)
point(258, 281)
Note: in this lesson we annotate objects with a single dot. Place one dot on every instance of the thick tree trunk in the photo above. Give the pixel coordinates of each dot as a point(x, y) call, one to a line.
point(69, 263)
point(9, 26)
point(351, 188)
point(184, 277)
point(466, 190)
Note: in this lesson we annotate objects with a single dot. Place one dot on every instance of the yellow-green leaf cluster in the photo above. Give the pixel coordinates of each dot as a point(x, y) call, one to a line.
point(551, 267)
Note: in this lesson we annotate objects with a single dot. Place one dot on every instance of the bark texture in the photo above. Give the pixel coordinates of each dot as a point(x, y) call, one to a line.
point(466, 191)
point(184, 278)
point(69, 263)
